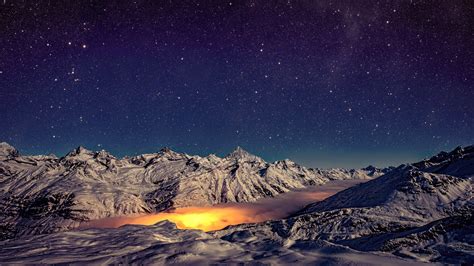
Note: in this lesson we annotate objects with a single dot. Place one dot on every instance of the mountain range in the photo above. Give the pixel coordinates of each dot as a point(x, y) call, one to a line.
point(414, 213)
point(45, 194)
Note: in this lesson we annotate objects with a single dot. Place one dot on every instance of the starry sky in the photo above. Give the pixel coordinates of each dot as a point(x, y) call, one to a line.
point(324, 83)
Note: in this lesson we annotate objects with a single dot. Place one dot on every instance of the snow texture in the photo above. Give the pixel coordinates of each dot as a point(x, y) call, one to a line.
point(45, 194)
point(413, 214)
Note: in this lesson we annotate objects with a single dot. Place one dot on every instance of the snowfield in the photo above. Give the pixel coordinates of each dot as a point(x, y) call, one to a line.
point(162, 243)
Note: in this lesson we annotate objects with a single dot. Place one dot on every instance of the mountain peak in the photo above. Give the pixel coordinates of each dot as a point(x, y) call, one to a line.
point(239, 153)
point(169, 153)
point(7, 150)
point(82, 149)
point(239, 149)
point(79, 151)
point(103, 154)
point(369, 168)
point(165, 150)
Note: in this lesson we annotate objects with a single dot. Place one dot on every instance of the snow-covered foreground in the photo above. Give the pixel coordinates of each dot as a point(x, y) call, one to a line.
point(162, 243)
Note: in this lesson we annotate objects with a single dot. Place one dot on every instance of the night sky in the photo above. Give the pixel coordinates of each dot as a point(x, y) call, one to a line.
point(333, 83)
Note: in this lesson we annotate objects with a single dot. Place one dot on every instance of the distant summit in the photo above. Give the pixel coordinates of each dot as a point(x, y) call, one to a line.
point(240, 154)
point(79, 151)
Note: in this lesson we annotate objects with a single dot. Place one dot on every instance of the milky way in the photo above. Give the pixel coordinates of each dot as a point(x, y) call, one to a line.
point(334, 83)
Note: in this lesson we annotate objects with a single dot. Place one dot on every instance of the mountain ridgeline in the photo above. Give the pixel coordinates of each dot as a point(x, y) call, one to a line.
point(419, 212)
point(44, 194)
point(422, 211)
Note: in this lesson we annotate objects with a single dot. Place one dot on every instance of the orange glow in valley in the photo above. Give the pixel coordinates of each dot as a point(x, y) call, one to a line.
point(204, 218)
point(221, 215)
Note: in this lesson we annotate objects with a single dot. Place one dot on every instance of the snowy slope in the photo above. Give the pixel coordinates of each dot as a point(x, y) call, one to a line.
point(421, 189)
point(447, 240)
point(43, 194)
point(404, 193)
point(409, 206)
point(162, 243)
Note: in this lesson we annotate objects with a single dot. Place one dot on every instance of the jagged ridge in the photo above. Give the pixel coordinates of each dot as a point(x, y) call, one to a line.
point(414, 211)
point(42, 194)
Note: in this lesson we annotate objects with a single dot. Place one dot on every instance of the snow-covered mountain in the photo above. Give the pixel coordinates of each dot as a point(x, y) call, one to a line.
point(43, 194)
point(458, 162)
point(404, 193)
point(415, 213)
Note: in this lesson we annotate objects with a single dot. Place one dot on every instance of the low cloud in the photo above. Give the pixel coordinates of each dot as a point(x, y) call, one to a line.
point(221, 215)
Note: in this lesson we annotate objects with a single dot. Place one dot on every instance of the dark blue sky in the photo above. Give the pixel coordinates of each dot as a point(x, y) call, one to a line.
point(336, 83)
